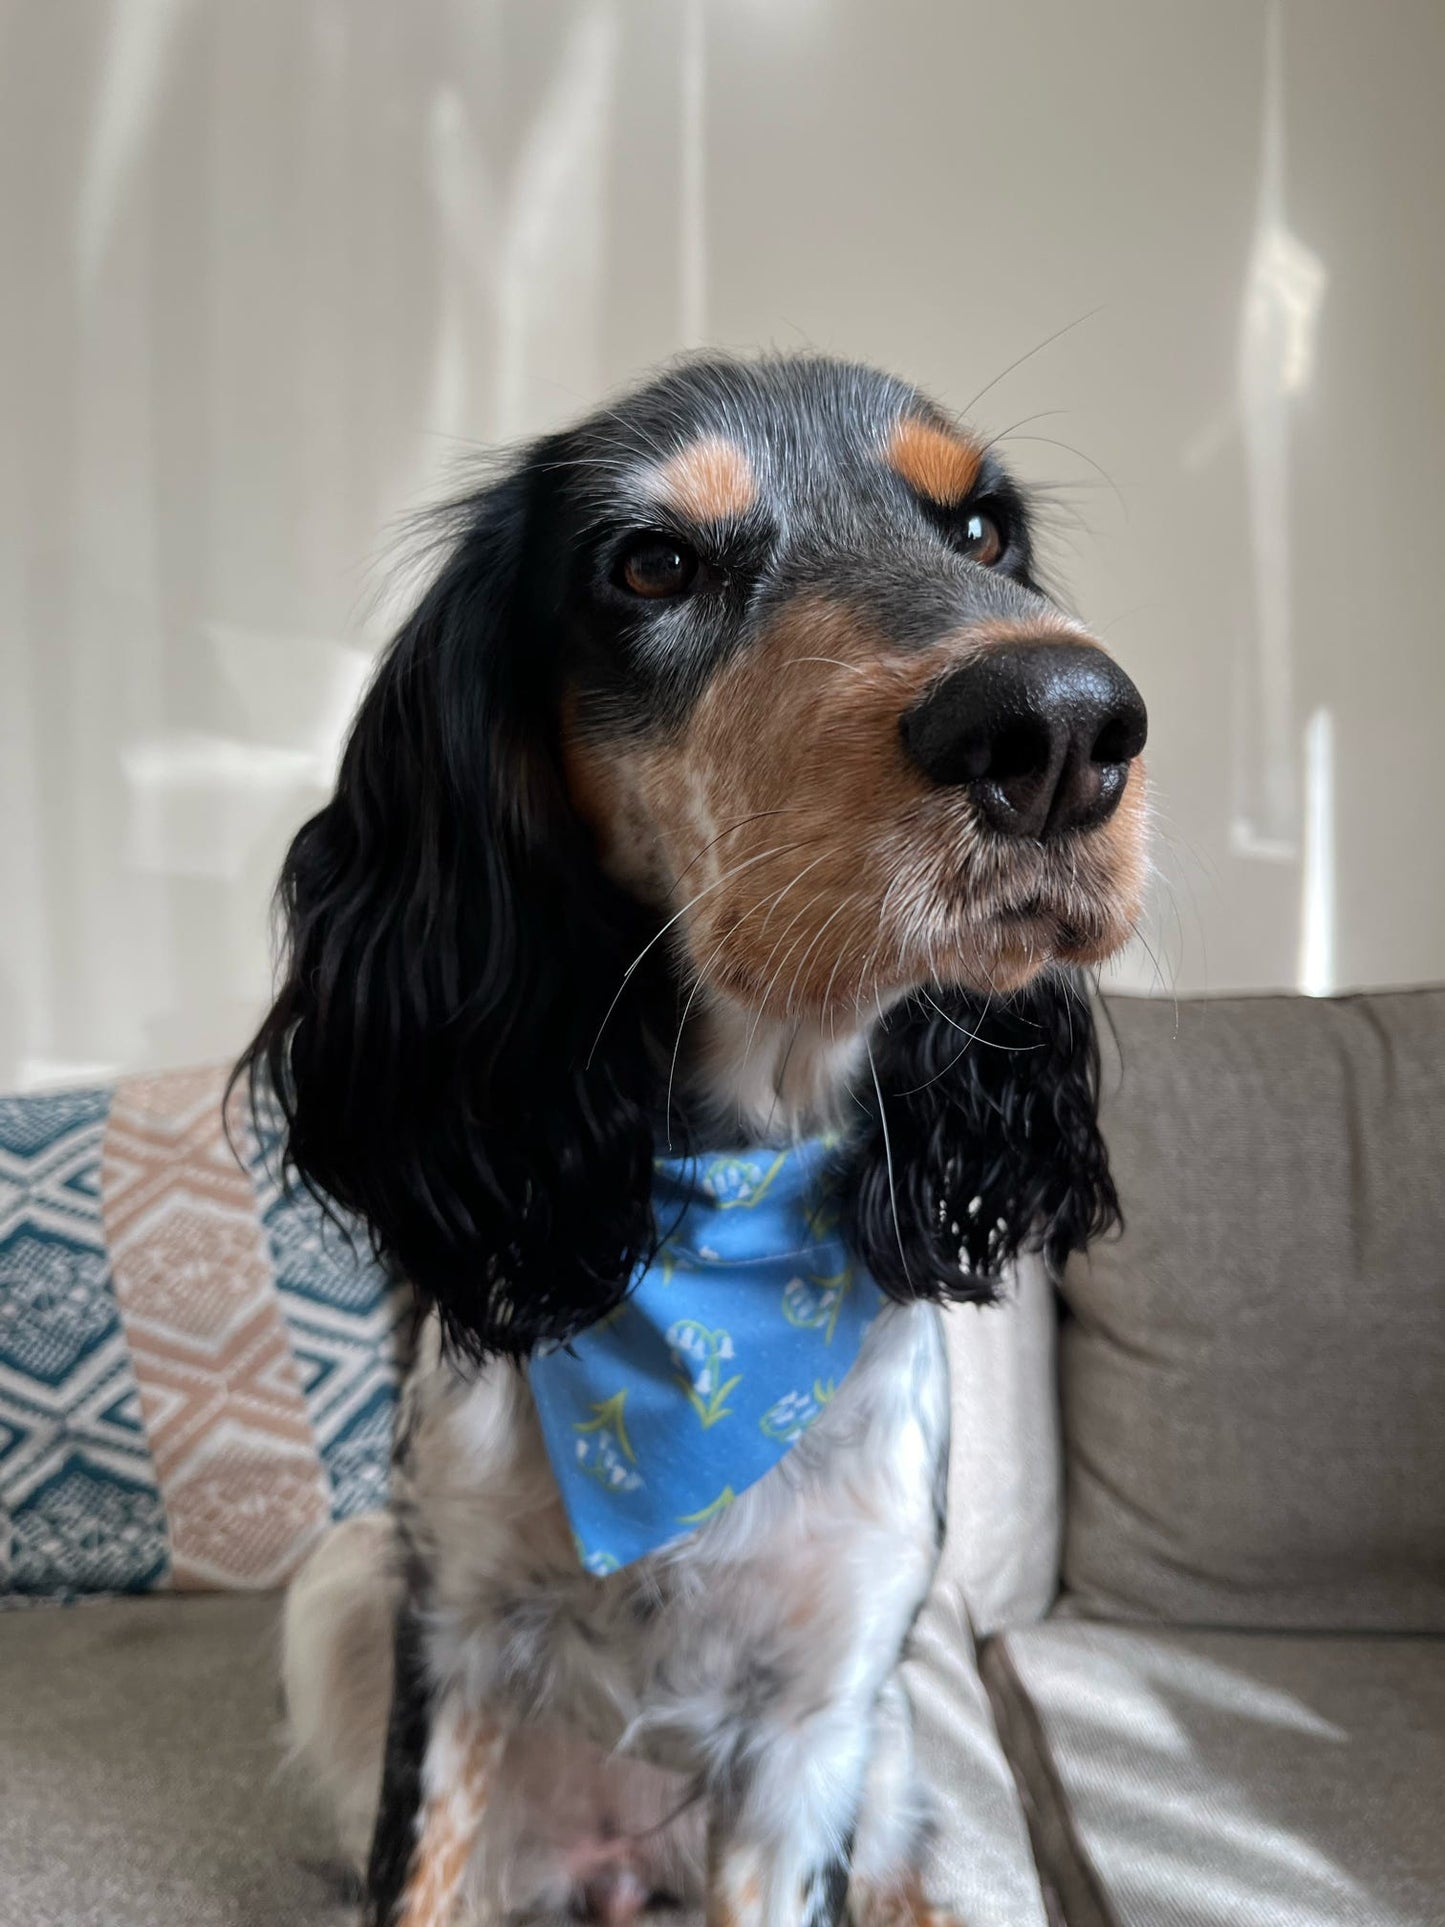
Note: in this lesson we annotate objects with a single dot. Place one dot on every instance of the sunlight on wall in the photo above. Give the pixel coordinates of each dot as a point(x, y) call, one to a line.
point(1317, 976)
point(1279, 316)
point(199, 803)
point(140, 41)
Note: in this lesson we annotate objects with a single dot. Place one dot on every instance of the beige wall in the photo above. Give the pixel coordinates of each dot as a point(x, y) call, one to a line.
point(270, 266)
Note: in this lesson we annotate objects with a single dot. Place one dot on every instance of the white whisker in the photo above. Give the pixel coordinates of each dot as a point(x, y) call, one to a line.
point(701, 978)
point(888, 1161)
point(853, 668)
point(736, 870)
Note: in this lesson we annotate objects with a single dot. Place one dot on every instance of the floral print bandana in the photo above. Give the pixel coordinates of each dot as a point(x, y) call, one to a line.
point(729, 1345)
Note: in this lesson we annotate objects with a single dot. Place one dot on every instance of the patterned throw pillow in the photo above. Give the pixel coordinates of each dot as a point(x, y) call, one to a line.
point(197, 1369)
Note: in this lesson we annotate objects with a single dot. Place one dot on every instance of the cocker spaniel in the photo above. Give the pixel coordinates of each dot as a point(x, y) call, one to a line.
point(683, 987)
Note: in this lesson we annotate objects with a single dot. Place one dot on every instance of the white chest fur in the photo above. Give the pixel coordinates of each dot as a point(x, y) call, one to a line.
point(799, 1595)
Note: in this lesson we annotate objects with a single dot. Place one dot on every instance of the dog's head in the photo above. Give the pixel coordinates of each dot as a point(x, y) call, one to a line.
point(735, 762)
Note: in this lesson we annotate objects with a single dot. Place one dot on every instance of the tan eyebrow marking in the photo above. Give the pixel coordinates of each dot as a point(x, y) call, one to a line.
point(710, 480)
point(940, 465)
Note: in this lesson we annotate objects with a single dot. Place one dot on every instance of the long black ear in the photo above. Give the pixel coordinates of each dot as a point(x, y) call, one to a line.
point(451, 948)
point(982, 1140)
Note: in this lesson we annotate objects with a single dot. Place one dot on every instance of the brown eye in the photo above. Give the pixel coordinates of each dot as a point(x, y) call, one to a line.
point(656, 566)
point(980, 539)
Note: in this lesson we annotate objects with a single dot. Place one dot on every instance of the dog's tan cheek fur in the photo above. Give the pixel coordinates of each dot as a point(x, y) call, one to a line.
point(795, 762)
point(605, 787)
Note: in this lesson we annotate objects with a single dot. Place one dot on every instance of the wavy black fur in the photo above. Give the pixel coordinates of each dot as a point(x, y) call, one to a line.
point(451, 947)
point(982, 1140)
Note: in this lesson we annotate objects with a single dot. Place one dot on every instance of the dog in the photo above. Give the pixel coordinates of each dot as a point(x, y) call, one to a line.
point(735, 785)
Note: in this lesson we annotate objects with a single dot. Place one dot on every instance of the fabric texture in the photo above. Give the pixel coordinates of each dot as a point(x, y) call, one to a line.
point(1000, 1548)
point(1229, 1779)
point(197, 1371)
point(141, 1767)
point(1252, 1375)
point(1006, 1479)
point(732, 1341)
point(144, 1786)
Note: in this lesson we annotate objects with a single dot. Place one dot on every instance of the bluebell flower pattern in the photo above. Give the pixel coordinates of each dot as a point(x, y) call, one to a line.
point(791, 1415)
point(702, 1356)
point(729, 1346)
point(602, 1449)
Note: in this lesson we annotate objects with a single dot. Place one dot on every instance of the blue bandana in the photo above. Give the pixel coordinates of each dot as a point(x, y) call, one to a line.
point(729, 1345)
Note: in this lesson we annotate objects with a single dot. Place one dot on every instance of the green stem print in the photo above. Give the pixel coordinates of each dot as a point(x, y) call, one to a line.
point(699, 1355)
point(724, 1499)
point(604, 1451)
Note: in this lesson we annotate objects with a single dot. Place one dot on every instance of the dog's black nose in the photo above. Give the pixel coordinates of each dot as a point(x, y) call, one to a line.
point(1041, 732)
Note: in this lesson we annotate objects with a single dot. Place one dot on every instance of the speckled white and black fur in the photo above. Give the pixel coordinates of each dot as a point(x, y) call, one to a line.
point(753, 1669)
point(509, 982)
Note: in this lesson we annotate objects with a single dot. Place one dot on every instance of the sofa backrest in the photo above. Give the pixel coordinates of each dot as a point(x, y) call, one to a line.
point(1253, 1376)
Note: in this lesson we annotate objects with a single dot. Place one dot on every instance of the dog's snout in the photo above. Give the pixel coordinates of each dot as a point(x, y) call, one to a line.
point(1042, 733)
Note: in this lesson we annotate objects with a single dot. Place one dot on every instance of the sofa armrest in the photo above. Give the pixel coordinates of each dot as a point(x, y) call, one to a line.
point(1006, 1469)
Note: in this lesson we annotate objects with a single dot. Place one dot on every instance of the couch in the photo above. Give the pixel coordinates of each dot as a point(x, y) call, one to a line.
point(1184, 1665)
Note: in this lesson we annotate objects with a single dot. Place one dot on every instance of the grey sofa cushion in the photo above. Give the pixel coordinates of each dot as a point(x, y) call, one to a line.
point(1254, 1376)
point(1229, 1779)
point(140, 1772)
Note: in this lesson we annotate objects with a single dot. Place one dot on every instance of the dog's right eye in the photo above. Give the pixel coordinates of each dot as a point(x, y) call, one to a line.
point(655, 566)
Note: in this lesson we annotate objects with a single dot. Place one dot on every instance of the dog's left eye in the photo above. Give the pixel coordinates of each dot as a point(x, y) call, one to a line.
point(980, 538)
point(655, 566)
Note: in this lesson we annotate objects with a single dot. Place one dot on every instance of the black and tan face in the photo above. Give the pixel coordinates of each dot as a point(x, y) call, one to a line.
point(815, 705)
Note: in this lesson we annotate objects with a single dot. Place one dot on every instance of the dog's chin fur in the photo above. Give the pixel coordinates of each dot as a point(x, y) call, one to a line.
point(519, 961)
point(769, 1079)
